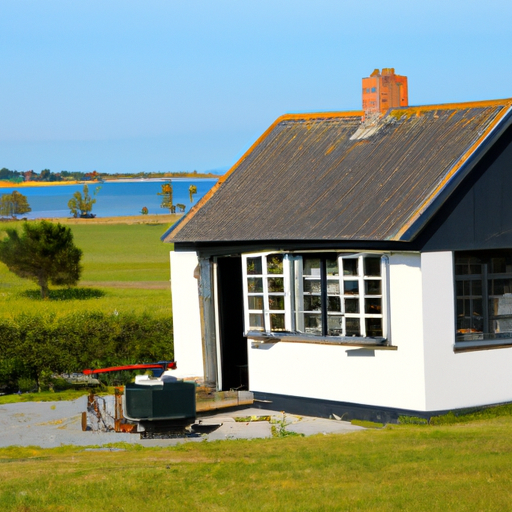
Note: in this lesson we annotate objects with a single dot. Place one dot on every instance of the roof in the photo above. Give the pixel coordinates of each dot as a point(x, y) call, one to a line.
point(327, 176)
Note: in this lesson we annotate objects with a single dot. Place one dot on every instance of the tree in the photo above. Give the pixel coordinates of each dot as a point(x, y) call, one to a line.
point(82, 205)
point(14, 204)
point(167, 197)
point(6, 174)
point(45, 175)
point(192, 190)
point(44, 253)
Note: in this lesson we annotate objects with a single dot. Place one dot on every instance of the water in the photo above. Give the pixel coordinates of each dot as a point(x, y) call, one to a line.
point(113, 199)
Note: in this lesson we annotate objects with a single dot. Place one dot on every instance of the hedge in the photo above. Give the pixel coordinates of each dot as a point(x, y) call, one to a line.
point(37, 345)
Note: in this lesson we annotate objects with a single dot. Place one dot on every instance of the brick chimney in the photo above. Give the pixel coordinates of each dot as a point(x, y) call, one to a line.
point(384, 90)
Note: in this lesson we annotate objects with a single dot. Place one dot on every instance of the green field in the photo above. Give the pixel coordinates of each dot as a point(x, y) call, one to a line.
point(465, 467)
point(126, 264)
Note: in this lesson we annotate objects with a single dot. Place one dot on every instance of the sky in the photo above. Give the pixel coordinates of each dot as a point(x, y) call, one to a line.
point(169, 86)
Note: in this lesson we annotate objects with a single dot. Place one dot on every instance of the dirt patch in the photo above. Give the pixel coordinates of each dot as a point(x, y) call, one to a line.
point(144, 285)
point(164, 218)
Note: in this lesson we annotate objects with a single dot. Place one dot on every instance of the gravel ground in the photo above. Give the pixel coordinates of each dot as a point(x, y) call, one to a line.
point(53, 424)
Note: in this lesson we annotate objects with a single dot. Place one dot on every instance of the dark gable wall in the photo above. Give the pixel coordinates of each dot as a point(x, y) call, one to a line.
point(479, 213)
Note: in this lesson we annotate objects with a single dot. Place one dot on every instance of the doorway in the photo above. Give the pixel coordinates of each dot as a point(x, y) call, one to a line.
point(233, 344)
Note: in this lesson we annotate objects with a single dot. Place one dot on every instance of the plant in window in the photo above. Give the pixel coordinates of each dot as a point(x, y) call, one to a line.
point(275, 264)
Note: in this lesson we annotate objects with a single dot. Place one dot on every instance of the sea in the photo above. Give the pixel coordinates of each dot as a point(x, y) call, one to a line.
point(113, 198)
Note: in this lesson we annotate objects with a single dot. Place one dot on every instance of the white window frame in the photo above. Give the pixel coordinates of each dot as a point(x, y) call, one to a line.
point(294, 293)
point(266, 312)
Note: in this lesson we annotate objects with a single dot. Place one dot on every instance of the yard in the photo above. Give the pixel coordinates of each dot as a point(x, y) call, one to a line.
point(126, 268)
point(458, 467)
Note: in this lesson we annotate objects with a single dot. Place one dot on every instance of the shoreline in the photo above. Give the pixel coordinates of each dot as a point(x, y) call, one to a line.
point(26, 184)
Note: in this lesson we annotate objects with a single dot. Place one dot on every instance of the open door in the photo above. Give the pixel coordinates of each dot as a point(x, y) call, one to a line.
point(232, 343)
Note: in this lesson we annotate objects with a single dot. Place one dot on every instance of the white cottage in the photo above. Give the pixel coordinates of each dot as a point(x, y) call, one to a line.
point(356, 268)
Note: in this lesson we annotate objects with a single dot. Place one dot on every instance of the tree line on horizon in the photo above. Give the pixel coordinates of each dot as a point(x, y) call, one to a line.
point(48, 176)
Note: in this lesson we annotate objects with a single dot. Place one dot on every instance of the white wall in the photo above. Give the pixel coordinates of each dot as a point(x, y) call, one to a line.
point(456, 380)
point(382, 378)
point(188, 350)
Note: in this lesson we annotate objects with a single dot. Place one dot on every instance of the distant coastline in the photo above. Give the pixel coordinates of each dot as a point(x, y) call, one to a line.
point(116, 197)
point(24, 184)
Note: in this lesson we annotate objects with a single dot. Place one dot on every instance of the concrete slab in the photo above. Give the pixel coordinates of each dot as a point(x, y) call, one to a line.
point(52, 424)
point(252, 417)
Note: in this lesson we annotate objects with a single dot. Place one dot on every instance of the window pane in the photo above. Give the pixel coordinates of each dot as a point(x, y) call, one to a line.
point(256, 302)
point(333, 287)
point(467, 265)
point(372, 287)
point(373, 327)
point(352, 327)
point(351, 287)
point(254, 284)
point(350, 267)
point(313, 324)
point(461, 320)
point(332, 267)
point(476, 287)
point(312, 286)
point(372, 306)
point(312, 303)
point(275, 284)
point(275, 264)
point(372, 266)
point(254, 265)
point(469, 316)
point(276, 302)
point(501, 265)
point(500, 311)
point(311, 266)
point(277, 322)
point(256, 321)
point(334, 304)
point(334, 325)
point(500, 286)
point(351, 305)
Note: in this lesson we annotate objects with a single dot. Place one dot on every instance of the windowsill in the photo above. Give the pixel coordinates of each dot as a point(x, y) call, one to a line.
point(481, 344)
point(259, 338)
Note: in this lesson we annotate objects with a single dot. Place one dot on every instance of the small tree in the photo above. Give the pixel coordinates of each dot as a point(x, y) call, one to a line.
point(192, 190)
point(81, 205)
point(167, 197)
point(44, 253)
point(14, 204)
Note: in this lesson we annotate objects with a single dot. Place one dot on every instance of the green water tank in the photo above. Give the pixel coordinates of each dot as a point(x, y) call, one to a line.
point(167, 401)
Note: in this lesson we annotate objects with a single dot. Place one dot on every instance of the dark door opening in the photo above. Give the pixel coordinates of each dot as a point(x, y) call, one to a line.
point(233, 345)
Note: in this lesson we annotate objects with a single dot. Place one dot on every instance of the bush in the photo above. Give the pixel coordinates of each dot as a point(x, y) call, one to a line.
point(37, 346)
point(412, 420)
point(26, 385)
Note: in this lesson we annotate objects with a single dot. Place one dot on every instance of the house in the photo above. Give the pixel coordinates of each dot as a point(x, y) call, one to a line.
point(355, 264)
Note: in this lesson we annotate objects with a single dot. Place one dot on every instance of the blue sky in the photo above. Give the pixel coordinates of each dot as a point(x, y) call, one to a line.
point(154, 85)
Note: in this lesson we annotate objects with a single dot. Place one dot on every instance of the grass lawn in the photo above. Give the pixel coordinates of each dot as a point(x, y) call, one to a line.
point(464, 467)
point(125, 262)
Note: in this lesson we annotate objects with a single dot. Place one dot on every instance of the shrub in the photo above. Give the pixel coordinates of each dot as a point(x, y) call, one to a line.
point(37, 346)
point(412, 420)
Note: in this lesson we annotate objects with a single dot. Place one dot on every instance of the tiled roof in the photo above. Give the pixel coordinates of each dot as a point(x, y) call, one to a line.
point(328, 177)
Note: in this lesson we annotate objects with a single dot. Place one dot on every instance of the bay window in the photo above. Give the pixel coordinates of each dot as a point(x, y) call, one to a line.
point(316, 295)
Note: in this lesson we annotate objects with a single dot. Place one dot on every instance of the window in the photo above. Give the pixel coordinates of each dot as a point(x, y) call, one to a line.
point(265, 292)
point(483, 287)
point(322, 295)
